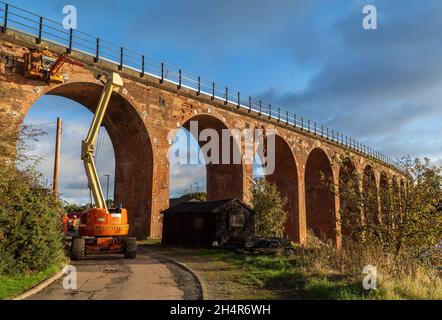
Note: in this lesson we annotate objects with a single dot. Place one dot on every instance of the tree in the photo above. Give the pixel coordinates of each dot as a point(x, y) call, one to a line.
point(201, 196)
point(410, 218)
point(269, 209)
point(73, 207)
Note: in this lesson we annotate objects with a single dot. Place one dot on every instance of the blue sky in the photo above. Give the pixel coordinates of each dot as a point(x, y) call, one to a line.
point(312, 57)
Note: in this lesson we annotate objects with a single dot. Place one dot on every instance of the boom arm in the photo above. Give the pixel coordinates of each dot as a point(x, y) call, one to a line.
point(112, 83)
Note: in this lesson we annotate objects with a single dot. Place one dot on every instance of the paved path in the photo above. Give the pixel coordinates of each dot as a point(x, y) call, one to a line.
point(110, 277)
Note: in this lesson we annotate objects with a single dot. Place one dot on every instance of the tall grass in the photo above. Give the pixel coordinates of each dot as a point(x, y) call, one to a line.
point(403, 276)
point(319, 270)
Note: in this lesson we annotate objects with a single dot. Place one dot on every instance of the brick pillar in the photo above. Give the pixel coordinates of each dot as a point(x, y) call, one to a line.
point(247, 182)
point(377, 176)
point(338, 240)
point(302, 204)
point(160, 185)
point(361, 190)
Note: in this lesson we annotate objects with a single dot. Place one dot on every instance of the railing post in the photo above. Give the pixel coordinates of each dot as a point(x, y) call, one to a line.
point(327, 134)
point(213, 91)
point(294, 120)
point(121, 58)
point(5, 22)
point(180, 78)
point(142, 66)
point(97, 52)
point(199, 86)
point(40, 30)
point(250, 103)
point(322, 130)
point(302, 123)
point(162, 72)
point(227, 96)
point(270, 111)
point(260, 107)
point(279, 114)
point(308, 125)
point(239, 100)
point(71, 36)
point(287, 117)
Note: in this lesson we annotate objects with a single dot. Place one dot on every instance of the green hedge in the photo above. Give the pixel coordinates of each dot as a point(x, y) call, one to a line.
point(30, 230)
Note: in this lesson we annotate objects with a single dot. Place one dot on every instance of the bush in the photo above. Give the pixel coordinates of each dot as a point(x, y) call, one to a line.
point(269, 209)
point(30, 230)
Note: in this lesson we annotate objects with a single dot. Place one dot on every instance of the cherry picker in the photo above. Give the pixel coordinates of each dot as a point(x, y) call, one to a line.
point(102, 229)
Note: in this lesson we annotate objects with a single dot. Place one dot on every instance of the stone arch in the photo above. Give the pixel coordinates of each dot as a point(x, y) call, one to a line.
point(385, 199)
point(370, 196)
point(285, 178)
point(349, 194)
point(223, 180)
point(320, 200)
point(132, 148)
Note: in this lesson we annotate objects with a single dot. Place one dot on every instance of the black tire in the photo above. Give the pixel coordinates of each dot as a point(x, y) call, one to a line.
point(78, 248)
point(130, 247)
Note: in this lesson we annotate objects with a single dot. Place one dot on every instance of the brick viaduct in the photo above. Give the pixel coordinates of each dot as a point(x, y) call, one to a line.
point(140, 118)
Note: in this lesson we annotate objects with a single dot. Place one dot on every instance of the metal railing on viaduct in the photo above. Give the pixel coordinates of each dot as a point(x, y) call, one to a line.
point(41, 28)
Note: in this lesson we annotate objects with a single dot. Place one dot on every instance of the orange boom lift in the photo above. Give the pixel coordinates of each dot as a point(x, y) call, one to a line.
point(101, 230)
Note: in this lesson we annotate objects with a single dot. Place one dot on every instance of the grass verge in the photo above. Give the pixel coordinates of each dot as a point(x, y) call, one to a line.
point(294, 277)
point(11, 286)
point(302, 275)
point(285, 278)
